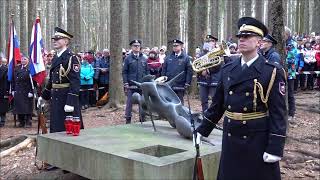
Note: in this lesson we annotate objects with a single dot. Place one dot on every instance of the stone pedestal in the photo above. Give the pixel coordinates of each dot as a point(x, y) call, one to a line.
point(132, 151)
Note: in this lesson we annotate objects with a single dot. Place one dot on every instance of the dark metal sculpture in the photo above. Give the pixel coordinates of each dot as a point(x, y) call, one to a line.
point(159, 98)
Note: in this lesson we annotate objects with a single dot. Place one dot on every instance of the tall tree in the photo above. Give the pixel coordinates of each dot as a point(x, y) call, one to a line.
point(235, 16)
point(201, 22)
point(173, 22)
point(23, 28)
point(306, 17)
point(316, 17)
point(133, 19)
point(248, 8)
point(228, 13)
point(259, 9)
point(116, 88)
point(73, 23)
point(32, 14)
point(301, 16)
point(297, 18)
point(277, 26)
point(191, 28)
point(214, 18)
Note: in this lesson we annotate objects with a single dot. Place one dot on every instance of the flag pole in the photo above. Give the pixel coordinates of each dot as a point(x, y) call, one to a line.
point(8, 59)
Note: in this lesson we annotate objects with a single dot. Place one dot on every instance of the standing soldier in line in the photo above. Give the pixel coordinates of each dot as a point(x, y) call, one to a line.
point(175, 63)
point(23, 93)
point(251, 94)
point(208, 79)
point(268, 50)
point(4, 91)
point(64, 83)
point(134, 69)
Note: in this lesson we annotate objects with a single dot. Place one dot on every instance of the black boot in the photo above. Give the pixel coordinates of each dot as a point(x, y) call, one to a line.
point(128, 120)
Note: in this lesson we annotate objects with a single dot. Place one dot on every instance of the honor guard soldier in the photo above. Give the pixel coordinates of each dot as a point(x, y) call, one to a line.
point(23, 93)
point(134, 69)
point(4, 91)
point(268, 50)
point(251, 94)
point(64, 83)
point(174, 64)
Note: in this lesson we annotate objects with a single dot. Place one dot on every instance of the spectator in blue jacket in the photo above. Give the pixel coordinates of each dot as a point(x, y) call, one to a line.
point(102, 72)
point(86, 82)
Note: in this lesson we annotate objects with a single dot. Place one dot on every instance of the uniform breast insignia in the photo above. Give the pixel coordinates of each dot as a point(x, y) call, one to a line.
point(76, 67)
point(282, 88)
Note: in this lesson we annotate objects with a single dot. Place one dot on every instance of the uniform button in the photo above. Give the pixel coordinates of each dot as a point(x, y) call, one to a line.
point(244, 137)
point(57, 72)
point(244, 122)
point(247, 93)
point(56, 99)
point(228, 78)
point(230, 92)
point(229, 107)
point(229, 134)
point(229, 120)
point(245, 109)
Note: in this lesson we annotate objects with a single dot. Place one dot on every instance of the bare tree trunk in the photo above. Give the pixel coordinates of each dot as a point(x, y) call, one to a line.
point(297, 23)
point(306, 18)
point(259, 10)
point(248, 8)
point(277, 26)
point(191, 28)
point(301, 17)
point(125, 24)
point(229, 18)
point(133, 19)
point(32, 14)
point(59, 12)
point(316, 17)
point(235, 17)
point(116, 87)
point(201, 22)
point(23, 28)
point(214, 18)
point(173, 22)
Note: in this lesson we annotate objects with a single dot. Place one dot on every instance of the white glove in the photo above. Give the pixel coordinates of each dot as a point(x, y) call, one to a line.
point(40, 102)
point(30, 95)
point(12, 93)
point(198, 140)
point(269, 158)
point(68, 108)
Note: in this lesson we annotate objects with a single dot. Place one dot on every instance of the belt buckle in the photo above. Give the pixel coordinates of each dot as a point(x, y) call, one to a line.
point(237, 116)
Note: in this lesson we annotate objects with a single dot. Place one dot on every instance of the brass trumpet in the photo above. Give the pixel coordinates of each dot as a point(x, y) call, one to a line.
point(211, 59)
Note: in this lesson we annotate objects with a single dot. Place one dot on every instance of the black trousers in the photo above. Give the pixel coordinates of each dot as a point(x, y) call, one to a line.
point(291, 99)
point(84, 95)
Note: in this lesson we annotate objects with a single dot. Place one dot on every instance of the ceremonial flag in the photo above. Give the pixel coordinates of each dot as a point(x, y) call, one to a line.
point(13, 50)
point(37, 68)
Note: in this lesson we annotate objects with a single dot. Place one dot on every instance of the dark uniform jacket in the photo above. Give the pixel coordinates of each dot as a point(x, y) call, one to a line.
point(63, 96)
point(102, 77)
point(21, 87)
point(173, 65)
point(134, 68)
point(272, 55)
point(244, 142)
point(4, 89)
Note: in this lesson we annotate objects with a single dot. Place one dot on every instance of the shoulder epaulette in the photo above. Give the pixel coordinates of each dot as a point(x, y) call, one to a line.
point(273, 64)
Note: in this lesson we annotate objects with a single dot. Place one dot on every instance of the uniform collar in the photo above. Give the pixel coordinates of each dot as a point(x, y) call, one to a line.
point(178, 54)
point(62, 51)
point(250, 61)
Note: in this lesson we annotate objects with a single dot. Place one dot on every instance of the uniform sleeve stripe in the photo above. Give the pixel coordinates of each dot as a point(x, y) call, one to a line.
point(277, 135)
point(73, 94)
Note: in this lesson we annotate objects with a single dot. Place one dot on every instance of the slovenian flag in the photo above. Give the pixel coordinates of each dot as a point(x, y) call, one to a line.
point(13, 50)
point(37, 68)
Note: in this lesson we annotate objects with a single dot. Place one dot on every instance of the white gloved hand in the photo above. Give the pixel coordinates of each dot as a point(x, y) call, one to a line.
point(68, 108)
point(12, 93)
point(40, 102)
point(30, 95)
point(269, 158)
point(198, 140)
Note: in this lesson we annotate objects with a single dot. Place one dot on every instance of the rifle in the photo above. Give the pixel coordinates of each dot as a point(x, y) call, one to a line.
point(197, 170)
point(44, 130)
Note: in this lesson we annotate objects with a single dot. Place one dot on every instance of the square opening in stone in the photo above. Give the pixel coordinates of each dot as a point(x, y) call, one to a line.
point(159, 150)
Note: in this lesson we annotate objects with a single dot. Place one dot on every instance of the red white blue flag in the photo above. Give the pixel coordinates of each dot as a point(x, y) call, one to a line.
point(13, 50)
point(37, 68)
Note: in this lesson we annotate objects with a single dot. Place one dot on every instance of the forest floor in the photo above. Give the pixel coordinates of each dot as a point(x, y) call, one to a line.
point(301, 158)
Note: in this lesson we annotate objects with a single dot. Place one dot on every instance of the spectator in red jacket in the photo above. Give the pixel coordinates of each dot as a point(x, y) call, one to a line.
point(154, 64)
point(316, 47)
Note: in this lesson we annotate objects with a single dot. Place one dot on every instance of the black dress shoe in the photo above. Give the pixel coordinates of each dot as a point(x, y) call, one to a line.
point(50, 168)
